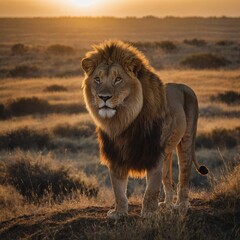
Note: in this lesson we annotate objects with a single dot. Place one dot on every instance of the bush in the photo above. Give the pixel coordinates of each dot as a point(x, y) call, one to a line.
point(195, 42)
point(143, 45)
point(228, 97)
point(24, 138)
point(18, 49)
point(55, 88)
point(39, 178)
point(225, 43)
point(76, 131)
point(219, 138)
point(25, 106)
point(60, 50)
point(24, 71)
point(167, 46)
point(33, 105)
point(205, 61)
point(72, 108)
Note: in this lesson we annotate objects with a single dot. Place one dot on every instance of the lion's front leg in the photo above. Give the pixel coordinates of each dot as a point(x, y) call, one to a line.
point(119, 186)
point(151, 196)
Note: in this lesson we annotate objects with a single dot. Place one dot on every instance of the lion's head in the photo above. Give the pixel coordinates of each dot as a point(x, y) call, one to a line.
point(120, 84)
point(112, 91)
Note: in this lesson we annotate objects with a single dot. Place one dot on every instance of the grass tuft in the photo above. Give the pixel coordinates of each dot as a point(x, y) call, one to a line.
point(228, 97)
point(195, 42)
point(225, 43)
point(226, 191)
point(19, 49)
point(167, 46)
point(25, 106)
point(205, 61)
point(25, 138)
point(60, 50)
point(38, 178)
point(29, 106)
point(24, 71)
point(55, 88)
point(219, 138)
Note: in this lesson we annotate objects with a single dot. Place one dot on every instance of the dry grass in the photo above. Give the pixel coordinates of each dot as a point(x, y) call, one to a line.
point(205, 61)
point(39, 177)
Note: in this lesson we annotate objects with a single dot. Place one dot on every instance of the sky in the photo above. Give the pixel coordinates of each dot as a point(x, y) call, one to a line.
point(119, 8)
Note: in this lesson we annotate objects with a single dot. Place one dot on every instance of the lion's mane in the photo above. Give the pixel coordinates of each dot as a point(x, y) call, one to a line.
point(136, 147)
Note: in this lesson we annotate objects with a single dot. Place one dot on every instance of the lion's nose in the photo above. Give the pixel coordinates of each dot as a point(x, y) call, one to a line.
point(105, 97)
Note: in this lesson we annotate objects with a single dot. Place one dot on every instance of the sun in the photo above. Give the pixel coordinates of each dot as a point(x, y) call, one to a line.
point(83, 3)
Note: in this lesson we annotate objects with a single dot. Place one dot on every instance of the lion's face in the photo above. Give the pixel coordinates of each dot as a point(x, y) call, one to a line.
point(113, 95)
point(110, 88)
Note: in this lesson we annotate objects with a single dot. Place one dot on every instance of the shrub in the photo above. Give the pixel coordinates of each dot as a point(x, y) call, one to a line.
point(25, 138)
point(195, 42)
point(143, 45)
point(39, 178)
point(228, 97)
point(33, 105)
point(24, 71)
point(225, 43)
point(55, 88)
point(205, 61)
point(77, 131)
point(167, 46)
point(72, 108)
point(219, 138)
point(60, 50)
point(18, 49)
point(25, 106)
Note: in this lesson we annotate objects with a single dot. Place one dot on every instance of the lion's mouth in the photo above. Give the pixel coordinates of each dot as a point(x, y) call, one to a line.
point(106, 107)
point(106, 112)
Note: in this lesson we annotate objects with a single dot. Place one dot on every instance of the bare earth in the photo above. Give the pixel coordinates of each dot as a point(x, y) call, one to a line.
point(91, 223)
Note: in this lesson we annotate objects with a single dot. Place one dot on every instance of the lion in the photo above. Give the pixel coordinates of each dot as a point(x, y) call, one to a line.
point(139, 122)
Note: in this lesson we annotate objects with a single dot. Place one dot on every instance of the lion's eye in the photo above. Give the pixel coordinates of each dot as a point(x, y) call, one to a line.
point(117, 80)
point(97, 80)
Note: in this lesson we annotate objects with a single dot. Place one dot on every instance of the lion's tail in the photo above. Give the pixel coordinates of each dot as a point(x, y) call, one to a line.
point(203, 170)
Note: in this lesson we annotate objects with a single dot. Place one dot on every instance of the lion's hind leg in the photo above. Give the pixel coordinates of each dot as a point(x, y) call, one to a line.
point(185, 162)
point(167, 182)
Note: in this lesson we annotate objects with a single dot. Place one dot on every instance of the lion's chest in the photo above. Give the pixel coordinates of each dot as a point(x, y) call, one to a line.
point(137, 149)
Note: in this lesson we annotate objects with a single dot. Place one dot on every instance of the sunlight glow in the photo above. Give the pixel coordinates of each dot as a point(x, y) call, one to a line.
point(82, 3)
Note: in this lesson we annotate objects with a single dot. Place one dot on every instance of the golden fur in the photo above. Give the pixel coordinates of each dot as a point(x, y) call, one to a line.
point(139, 122)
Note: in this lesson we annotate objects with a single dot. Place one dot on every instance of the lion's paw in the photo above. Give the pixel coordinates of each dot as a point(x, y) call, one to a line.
point(115, 215)
point(182, 207)
point(165, 205)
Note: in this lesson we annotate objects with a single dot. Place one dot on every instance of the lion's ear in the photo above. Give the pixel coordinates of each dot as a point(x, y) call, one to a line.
point(134, 65)
point(88, 65)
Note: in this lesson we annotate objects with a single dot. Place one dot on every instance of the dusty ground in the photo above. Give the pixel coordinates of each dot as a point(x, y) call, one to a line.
point(91, 223)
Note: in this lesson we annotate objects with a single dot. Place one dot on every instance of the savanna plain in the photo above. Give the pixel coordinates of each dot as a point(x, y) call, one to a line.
point(52, 185)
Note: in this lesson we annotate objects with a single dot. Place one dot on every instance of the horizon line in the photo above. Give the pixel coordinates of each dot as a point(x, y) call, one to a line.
point(125, 17)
